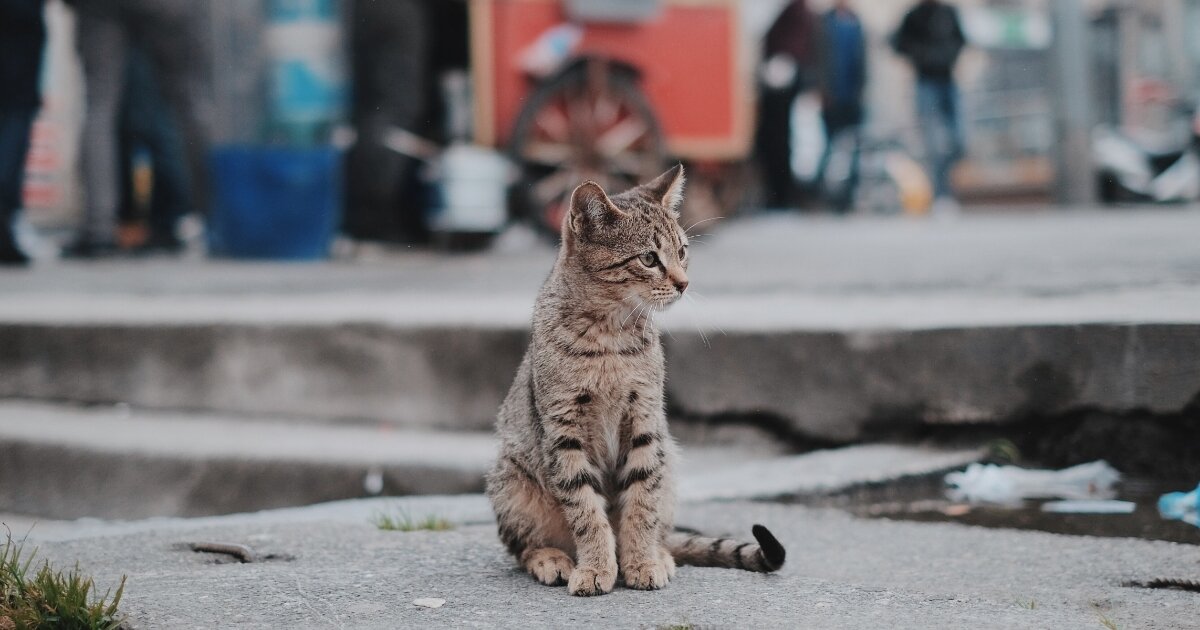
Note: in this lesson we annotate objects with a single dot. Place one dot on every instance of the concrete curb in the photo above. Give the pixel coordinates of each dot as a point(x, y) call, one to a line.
point(835, 386)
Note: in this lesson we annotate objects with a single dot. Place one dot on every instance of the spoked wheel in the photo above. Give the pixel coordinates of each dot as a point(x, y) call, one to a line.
point(590, 122)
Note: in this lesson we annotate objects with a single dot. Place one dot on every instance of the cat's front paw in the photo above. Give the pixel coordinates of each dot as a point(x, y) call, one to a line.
point(588, 581)
point(650, 575)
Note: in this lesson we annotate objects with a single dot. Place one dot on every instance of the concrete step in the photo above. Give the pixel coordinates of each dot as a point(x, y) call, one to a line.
point(116, 463)
point(837, 385)
point(68, 462)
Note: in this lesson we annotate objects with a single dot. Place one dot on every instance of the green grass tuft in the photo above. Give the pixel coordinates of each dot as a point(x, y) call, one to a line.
point(402, 521)
point(51, 599)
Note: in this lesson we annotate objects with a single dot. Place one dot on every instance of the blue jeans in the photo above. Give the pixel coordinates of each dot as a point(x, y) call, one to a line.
point(15, 125)
point(841, 121)
point(938, 115)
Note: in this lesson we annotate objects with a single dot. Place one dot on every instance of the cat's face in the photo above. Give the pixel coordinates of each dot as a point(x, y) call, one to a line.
point(631, 245)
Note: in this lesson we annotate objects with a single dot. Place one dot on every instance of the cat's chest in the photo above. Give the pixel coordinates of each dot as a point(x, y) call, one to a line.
point(615, 393)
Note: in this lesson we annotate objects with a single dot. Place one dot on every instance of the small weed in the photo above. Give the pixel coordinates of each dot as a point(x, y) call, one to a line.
point(402, 521)
point(1104, 619)
point(1027, 604)
point(51, 599)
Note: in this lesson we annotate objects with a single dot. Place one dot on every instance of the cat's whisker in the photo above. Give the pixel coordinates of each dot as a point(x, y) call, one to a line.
point(689, 228)
point(646, 323)
point(694, 313)
point(632, 313)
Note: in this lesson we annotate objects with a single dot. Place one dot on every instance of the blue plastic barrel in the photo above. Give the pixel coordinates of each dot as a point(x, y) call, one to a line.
point(274, 202)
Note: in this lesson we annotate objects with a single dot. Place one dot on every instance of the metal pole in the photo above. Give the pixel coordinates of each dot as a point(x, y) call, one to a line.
point(1072, 92)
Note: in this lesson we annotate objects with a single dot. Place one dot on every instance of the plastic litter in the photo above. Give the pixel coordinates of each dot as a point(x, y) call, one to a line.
point(989, 483)
point(1089, 506)
point(1181, 506)
point(429, 602)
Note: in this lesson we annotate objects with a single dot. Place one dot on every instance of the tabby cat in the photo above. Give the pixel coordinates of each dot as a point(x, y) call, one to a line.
point(584, 485)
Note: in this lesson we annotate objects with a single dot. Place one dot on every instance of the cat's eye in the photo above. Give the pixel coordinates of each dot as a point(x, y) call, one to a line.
point(683, 252)
point(649, 259)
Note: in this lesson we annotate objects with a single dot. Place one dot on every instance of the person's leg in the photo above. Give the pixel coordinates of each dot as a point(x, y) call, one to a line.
point(15, 126)
point(390, 50)
point(841, 132)
point(101, 39)
point(127, 145)
point(939, 126)
point(851, 190)
point(176, 36)
point(929, 120)
point(829, 122)
point(954, 148)
point(775, 146)
point(170, 198)
point(951, 107)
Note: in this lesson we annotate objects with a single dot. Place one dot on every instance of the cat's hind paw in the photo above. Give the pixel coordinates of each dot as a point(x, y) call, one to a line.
point(550, 566)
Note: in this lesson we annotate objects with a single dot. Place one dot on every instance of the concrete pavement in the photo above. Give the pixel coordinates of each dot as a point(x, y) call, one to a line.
point(66, 462)
point(841, 572)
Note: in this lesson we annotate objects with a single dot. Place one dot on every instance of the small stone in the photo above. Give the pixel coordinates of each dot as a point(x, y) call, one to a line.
point(429, 602)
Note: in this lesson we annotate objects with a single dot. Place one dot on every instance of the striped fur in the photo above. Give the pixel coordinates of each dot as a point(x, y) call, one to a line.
point(584, 487)
point(695, 550)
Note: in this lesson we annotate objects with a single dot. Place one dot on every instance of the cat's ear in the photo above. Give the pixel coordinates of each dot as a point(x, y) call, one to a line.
point(667, 189)
point(590, 207)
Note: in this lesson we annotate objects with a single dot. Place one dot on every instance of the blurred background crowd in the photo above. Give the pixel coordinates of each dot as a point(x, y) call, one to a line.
point(266, 128)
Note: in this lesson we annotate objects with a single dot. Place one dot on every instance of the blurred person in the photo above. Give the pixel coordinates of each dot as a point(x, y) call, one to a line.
point(22, 38)
point(175, 34)
point(931, 38)
point(146, 124)
point(390, 50)
point(843, 77)
point(788, 53)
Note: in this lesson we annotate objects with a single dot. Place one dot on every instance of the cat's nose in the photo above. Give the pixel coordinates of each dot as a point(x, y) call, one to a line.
point(681, 284)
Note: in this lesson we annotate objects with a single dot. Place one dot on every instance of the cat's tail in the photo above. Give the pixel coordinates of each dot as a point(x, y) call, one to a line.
point(698, 551)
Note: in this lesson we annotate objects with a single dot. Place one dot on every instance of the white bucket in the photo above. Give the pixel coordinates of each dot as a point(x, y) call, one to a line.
point(471, 182)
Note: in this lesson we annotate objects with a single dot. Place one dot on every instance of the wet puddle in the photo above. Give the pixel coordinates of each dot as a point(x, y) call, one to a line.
point(924, 499)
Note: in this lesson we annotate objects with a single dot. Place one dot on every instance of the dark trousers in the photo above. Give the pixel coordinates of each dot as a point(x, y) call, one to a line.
point(147, 124)
point(390, 42)
point(175, 33)
point(15, 126)
point(774, 143)
point(843, 124)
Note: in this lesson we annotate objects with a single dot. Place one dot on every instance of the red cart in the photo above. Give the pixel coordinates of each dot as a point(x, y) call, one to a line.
point(607, 90)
